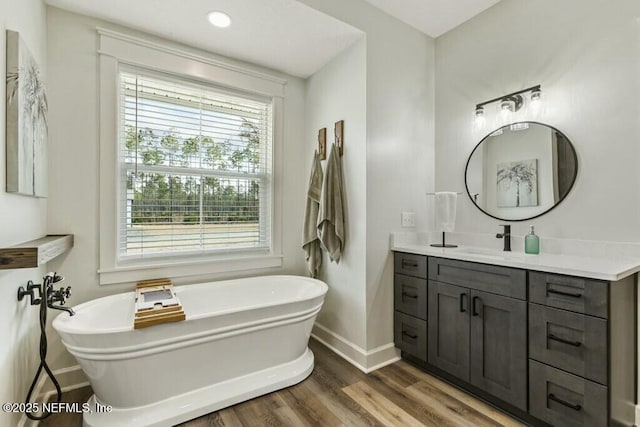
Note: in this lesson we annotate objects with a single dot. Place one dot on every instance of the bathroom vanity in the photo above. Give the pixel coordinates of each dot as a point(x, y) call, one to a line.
point(550, 339)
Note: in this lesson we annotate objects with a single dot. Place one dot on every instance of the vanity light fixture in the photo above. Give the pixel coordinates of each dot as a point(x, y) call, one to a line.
point(219, 19)
point(479, 116)
point(512, 102)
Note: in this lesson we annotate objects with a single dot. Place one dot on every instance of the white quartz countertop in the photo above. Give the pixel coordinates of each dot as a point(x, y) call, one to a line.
point(601, 268)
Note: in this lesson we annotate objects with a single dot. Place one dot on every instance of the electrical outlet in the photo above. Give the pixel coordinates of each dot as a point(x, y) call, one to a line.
point(408, 219)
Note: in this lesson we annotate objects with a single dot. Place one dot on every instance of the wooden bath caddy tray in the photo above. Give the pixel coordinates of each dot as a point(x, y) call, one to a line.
point(156, 303)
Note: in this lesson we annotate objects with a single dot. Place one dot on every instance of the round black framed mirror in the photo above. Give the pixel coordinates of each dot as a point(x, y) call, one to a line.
point(521, 171)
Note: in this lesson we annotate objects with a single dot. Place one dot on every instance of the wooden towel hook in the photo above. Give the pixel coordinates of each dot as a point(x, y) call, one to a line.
point(322, 143)
point(338, 130)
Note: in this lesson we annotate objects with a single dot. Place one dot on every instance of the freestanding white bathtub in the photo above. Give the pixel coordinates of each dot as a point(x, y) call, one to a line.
point(241, 339)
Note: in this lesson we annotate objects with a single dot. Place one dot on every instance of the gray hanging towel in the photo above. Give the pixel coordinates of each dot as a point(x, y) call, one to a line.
point(310, 240)
point(331, 215)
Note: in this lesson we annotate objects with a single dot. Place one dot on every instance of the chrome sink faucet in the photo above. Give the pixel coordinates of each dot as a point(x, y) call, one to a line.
point(506, 236)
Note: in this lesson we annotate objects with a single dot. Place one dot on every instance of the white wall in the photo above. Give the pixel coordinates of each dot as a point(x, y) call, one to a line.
point(338, 92)
point(73, 204)
point(399, 147)
point(400, 153)
point(586, 56)
point(22, 219)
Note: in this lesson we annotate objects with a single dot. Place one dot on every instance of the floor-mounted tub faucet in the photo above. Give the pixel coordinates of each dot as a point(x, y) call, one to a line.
point(506, 236)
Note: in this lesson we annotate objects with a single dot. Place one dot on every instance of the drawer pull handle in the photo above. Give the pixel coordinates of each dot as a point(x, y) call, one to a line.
point(562, 340)
point(564, 402)
point(566, 294)
point(463, 305)
point(404, 294)
point(409, 264)
point(475, 311)
point(413, 337)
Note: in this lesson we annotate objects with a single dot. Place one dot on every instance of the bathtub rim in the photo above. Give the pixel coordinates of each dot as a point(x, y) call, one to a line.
point(149, 348)
point(61, 324)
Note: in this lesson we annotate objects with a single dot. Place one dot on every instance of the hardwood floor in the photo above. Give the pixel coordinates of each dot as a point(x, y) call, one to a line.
point(80, 395)
point(338, 394)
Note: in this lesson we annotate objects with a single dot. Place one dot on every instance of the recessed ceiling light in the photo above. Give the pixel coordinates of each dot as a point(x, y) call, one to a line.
point(219, 19)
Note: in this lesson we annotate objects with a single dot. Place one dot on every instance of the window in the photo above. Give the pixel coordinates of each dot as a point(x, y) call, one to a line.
point(190, 163)
point(194, 168)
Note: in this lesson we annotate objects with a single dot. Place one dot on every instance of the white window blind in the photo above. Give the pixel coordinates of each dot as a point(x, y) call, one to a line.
point(195, 167)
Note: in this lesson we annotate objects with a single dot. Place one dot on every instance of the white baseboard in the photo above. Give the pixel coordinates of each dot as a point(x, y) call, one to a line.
point(366, 361)
point(69, 379)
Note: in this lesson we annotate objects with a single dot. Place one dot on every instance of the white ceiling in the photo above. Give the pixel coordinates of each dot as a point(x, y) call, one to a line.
point(433, 17)
point(285, 35)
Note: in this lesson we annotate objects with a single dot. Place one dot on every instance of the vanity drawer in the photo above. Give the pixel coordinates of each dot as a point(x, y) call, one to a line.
point(410, 335)
point(562, 399)
point(410, 295)
point(569, 293)
point(510, 282)
point(410, 264)
point(572, 342)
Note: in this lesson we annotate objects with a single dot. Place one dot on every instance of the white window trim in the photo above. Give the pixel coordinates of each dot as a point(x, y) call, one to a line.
point(116, 49)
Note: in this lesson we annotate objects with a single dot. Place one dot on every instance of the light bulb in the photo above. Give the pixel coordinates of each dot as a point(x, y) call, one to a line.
point(219, 19)
point(536, 101)
point(508, 105)
point(479, 116)
point(536, 95)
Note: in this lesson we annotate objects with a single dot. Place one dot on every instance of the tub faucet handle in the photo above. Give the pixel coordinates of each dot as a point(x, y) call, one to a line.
point(59, 296)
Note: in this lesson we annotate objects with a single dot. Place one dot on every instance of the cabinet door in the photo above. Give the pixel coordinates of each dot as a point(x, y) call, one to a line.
point(498, 354)
point(448, 328)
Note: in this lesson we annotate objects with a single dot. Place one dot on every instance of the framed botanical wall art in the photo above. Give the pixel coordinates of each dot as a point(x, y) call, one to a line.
point(26, 127)
point(517, 184)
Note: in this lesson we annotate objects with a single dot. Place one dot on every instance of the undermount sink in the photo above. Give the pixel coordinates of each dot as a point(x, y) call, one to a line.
point(490, 253)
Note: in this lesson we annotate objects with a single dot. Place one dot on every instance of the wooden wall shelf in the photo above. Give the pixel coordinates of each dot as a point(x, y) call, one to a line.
point(36, 252)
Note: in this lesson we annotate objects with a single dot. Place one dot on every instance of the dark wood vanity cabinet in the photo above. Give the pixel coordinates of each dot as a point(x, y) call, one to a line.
point(476, 336)
point(551, 349)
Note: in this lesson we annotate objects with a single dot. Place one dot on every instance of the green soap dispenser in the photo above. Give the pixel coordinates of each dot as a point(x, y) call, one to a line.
point(531, 242)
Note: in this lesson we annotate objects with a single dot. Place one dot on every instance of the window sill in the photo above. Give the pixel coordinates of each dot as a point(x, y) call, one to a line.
point(177, 270)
